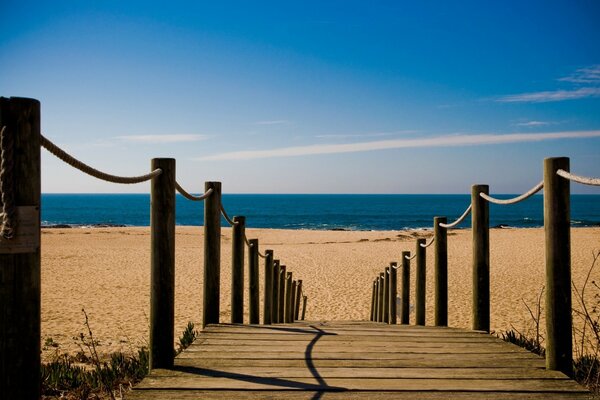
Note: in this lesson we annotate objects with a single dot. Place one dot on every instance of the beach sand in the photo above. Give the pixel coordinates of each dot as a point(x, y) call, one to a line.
point(106, 271)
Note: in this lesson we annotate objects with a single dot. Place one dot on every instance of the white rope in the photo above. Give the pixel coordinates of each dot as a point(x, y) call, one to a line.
point(75, 163)
point(579, 179)
point(410, 258)
point(459, 220)
point(428, 244)
point(191, 197)
point(514, 200)
point(395, 266)
point(229, 220)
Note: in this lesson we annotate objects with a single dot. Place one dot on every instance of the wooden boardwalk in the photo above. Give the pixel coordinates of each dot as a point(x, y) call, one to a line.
point(354, 360)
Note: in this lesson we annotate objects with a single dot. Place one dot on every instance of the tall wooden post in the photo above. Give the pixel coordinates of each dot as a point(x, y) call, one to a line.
point(253, 298)
point(212, 254)
point(304, 298)
point(20, 292)
point(405, 317)
point(421, 278)
point(282, 289)
point(393, 293)
point(557, 227)
point(440, 250)
point(294, 293)
point(276, 289)
point(480, 221)
point(380, 299)
point(238, 231)
point(162, 264)
point(268, 298)
point(288, 298)
point(386, 295)
point(373, 297)
point(298, 296)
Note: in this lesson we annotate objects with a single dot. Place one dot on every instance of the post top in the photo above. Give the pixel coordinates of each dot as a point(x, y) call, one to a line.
point(239, 218)
point(421, 240)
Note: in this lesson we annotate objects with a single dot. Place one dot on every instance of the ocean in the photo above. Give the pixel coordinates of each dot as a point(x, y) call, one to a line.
point(308, 211)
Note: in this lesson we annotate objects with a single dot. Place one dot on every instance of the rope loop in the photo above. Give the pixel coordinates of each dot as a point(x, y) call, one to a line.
point(517, 199)
point(191, 197)
point(75, 163)
point(459, 220)
point(410, 258)
point(584, 180)
point(9, 210)
point(428, 244)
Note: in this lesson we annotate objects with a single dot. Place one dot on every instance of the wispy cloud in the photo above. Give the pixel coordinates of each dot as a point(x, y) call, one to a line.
point(273, 122)
point(551, 95)
point(363, 135)
point(532, 124)
point(439, 141)
point(161, 139)
point(589, 74)
point(586, 83)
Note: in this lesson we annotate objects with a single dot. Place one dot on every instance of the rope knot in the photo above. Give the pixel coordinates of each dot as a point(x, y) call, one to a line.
point(9, 210)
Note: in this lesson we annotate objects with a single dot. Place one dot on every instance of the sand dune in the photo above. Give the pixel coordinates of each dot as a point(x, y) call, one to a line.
point(106, 271)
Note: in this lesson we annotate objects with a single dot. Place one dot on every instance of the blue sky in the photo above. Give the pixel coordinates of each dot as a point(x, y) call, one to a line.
point(310, 97)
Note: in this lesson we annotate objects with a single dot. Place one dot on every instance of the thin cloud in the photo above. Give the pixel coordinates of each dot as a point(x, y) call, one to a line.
point(363, 135)
point(439, 141)
point(532, 124)
point(551, 95)
point(273, 122)
point(161, 139)
point(589, 74)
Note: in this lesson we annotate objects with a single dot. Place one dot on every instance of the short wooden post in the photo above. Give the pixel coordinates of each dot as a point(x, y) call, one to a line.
point(386, 295)
point(20, 290)
point(440, 250)
point(288, 298)
point(282, 293)
point(373, 297)
point(253, 298)
point(276, 289)
point(405, 318)
point(238, 245)
point(162, 264)
point(377, 289)
point(393, 293)
point(294, 293)
point(268, 298)
point(380, 299)
point(480, 221)
point(212, 254)
point(304, 298)
point(421, 278)
point(298, 296)
point(557, 227)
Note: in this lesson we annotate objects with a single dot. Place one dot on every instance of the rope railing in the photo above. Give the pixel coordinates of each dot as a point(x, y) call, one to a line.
point(9, 209)
point(459, 220)
point(428, 244)
point(517, 199)
point(83, 167)
point(191, 197)
point(229, 220)
point(411, 257)
point(584, 180)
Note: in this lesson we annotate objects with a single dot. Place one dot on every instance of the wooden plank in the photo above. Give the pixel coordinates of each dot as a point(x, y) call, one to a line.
point(369, 395)
point(382, 355)
point(239, 340)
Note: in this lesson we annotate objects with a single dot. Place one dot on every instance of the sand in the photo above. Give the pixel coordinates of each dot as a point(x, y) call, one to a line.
point(106, 272)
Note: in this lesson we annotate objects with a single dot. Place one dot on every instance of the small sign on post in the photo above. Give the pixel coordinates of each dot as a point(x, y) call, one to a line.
point(27, 238)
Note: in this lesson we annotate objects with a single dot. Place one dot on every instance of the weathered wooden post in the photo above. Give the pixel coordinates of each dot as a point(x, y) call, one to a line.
point(253, 298)
point(282, 288)
point(293, 310)
point(298, 296)
point(162, 264)
point(557, 227)
point(238, 231)
point(373, 297)
point(304, 298)
point(393, 293)
point(480, 220)
point(405, 317)
point(421, 278)
point(20, 291)
point(386, 295)
point(381, 294)
point(268, 298)
point(440, 250)
point(288, 298)
point(276, 289)
point(212, 254)
point(377, 289)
